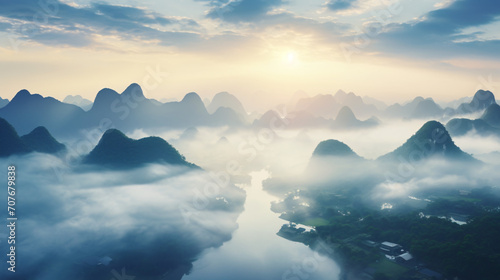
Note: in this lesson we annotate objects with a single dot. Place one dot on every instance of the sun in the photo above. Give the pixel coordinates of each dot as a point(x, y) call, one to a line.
point(290, 57)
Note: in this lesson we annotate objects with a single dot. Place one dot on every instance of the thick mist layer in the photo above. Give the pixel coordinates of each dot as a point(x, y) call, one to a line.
point(150, 221)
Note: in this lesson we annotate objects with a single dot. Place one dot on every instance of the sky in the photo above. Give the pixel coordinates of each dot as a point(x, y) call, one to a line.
point(261, 51)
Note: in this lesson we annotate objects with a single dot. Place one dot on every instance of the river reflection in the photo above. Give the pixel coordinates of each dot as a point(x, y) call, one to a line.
point(256, 252)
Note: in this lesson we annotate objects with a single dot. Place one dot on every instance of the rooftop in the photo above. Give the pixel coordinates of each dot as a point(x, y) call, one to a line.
point(390, 244)
point(406, 256)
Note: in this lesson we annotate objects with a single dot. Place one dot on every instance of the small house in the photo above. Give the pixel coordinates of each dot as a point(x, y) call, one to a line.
point(390, 248)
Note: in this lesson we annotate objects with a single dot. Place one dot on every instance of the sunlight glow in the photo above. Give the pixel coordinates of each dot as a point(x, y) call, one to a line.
point(290, 57)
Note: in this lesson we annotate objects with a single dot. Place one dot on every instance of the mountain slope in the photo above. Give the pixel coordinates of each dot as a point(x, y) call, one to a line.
point(488, 124)
point(481, 100)
point(40, 140)
point(403, 111)
point(418, 108)
point(333, 148)
point(115, 150)
point(10, 142)
point(347, 120)
point(427, 108)
point(492, 115)
point(226, 116)
point(27, 111)
point(225, 99)
point(79, 101)
point(3, 102)
point(356, 104)
point(431, 140)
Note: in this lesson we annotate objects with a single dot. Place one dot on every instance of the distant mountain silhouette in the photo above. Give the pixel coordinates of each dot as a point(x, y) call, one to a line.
point(10, 142)
point(347, 120)
point(492, 115)
point(189, 134)
point(346, 117)
point(127, 111)
point(27, 111)
point(488, 124)
point(431, 140)
point(380, 105)
point(418, 108)
point(79, 101)
point(462, 126)
point(455, 103)
point(104, 99)
point(267, 118)
point(224, 99)
point(427, 108)
point(482, 99)
point(132, 110)
point(226, 116)
point(403, 111)
point(190, 111)
point(328, 106)
point(115, 150)
point(40, 140)
point(332, 165)
point(304, 119)
point(356, 104)
point(320, 105)
point(3, 102)
point(297, 119)
point(295, 98)
point(333, 148)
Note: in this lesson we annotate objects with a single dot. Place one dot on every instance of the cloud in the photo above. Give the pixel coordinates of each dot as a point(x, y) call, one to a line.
point(460, 14)
point(242, 10)
point(57, 23)
point(145, 219)
point(438, 34)
point(337, 5)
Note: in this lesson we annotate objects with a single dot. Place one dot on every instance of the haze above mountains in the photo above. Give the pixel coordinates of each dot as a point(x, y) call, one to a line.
point(131, 110)
point(113, 115)
point(173, 155)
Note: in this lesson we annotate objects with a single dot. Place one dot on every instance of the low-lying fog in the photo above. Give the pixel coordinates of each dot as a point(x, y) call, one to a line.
point(152, 221)
point(157, 220)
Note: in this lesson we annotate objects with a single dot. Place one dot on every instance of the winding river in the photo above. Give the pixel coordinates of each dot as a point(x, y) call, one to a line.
point(256, 252)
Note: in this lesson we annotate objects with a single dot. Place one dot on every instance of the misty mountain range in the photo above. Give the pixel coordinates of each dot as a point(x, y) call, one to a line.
point(428, 159)
point(117, 151)
point(126, 111)
point(38, 140)
point(487, 124)
point(113, 113)
point(79, 101)
point(131, 110)
point(431, 141)
point(114, 151)
point(334, 165)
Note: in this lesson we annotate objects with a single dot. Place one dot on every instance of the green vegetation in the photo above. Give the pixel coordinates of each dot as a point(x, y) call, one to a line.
point(314, 222)
point(388, 269)
point(333, 148)
point(431, 139)
point(116, 150)
point(470, 251)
